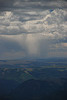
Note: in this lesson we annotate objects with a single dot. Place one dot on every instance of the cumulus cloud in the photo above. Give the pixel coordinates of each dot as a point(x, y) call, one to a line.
point(47, 23)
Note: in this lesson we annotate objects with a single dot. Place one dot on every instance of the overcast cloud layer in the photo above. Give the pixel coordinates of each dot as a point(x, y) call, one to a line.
point(33, 29)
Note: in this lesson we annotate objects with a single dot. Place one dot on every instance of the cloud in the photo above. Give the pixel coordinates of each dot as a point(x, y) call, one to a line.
point(36, 28)
point(38, 4)
point(50, 24)
point(10, 24)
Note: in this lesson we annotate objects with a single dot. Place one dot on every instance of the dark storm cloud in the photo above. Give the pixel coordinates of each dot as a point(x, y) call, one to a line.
point(63, 40)
point(12, 4)
point(60, 40)
point(6, 3)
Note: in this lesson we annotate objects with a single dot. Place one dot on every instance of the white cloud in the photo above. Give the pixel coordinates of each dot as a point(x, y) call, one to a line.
point(46, 22)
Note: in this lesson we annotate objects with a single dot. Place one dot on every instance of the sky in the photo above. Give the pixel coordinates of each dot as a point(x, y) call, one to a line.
point(33, 29)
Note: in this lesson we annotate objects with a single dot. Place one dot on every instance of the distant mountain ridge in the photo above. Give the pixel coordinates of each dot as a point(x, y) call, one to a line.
point(26, 61)
point(6, 86)
point(39, 90)
point(36, 59)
